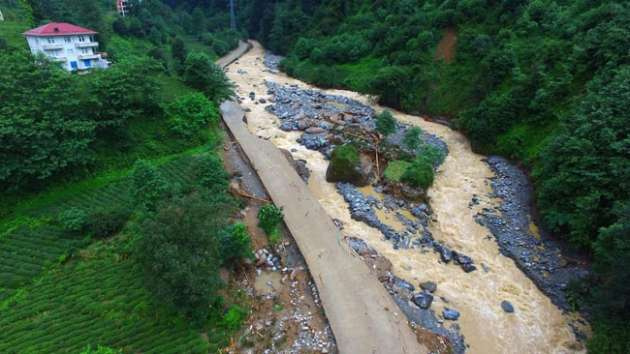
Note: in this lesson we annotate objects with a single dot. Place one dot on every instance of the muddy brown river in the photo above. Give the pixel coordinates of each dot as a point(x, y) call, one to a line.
point(536, 326)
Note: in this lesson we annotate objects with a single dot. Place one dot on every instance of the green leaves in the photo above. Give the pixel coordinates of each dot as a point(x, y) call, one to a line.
point(203, 74)
point(385, 123)
point(44, 127)
point(192, 114)
point(269, 218)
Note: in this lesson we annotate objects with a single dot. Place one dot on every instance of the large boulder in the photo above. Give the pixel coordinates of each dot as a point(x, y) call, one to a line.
point(347, 165)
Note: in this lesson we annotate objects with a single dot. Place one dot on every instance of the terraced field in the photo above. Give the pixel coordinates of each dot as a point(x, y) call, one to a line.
point(60, 292)
point(97, 302)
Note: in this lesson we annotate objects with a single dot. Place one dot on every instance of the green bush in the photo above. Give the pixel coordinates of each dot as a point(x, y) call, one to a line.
point(412, 140)
point(234, 318)
point(419, 173)
point(210, 173)
point(344, 165)
point(395, 170)
point(269, 218)
point(73, 220)
point(235, 244)
point(149, 186)
point(201, 73)
point(192, 114)
point(385, 123)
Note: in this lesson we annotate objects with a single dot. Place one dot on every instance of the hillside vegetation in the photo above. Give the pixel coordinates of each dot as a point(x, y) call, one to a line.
point(115, 215)
point(544, 82)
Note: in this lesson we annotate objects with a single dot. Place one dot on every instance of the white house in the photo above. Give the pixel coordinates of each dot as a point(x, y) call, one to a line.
point(72, 46)
point(122, 6)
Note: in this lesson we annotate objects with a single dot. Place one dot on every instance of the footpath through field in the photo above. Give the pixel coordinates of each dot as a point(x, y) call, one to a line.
point(363, 316)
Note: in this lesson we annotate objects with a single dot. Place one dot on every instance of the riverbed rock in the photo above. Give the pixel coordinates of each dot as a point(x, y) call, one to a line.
point(507, 306)
point(464, 261)
point(315, 130)
point(446, 255)
point(450, 314)
point(428, 286)
point(423, 300)
point(313, 141)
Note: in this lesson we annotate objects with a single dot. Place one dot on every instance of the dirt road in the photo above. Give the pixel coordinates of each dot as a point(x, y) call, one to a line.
point(363, 316)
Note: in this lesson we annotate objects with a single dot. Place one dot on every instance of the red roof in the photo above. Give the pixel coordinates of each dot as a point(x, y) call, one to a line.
point(58, 29)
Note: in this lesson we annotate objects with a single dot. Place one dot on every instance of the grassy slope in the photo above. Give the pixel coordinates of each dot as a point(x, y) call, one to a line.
point(17, 19)
point(59, 292)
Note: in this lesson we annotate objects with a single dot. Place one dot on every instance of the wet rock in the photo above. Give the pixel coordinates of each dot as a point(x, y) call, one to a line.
point(507, 306)
point(403, 284)
point(429, 286)
point(510, 225)
point(262, 100)
point(422, 300)
point(252, 95)
point(313, 141)
point(446, 255)
point(315, 130)
point(450, 314)
point(360, 246)
point(464, 261)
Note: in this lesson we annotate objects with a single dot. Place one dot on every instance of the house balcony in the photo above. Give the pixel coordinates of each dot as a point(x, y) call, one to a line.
point(89, 56)
point(58, 59)
point(57, 46)
point(85, 44)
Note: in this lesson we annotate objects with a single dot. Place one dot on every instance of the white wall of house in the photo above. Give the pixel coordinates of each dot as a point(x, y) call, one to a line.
point(73, 52)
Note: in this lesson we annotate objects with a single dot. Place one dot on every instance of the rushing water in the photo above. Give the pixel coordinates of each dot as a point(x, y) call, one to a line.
point(537, 326)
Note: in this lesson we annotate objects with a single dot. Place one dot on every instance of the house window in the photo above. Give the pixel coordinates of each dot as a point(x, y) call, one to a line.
point(51, 40)
point(68, 39)
point(85, 51)
point(81, 39)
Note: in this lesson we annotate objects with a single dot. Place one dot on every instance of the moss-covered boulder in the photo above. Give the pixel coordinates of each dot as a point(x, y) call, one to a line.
point(346, 165)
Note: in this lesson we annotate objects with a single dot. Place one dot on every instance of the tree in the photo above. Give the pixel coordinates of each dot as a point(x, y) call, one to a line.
point(201, 73)
point(412, 138)
point(44, 127)
point(178, 51)
point(179, 249)
point(586, 168)
point(149, 186)
point(419, 173)
point(125, 91)
point(192, 115)
point(385, 123)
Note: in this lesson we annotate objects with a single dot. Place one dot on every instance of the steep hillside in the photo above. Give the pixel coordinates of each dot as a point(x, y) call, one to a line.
point(542, 82)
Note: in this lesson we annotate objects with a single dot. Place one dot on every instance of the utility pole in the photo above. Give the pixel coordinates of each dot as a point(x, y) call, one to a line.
point(232, 15)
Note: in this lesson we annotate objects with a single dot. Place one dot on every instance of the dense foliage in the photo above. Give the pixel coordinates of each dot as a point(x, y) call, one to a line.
point(541, 81)
point(44, 129)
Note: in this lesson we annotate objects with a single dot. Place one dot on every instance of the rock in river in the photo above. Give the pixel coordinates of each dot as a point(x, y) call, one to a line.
point(423, 300)
point(429, 286)
point(450, 314)
point(507, 306)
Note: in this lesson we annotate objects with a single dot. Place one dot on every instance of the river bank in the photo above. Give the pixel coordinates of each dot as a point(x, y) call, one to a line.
point(535, 325)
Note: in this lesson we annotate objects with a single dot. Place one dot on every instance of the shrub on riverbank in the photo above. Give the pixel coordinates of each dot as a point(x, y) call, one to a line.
point(395, 170)
point(345, 165)
point(419, 173)
point(269, 219)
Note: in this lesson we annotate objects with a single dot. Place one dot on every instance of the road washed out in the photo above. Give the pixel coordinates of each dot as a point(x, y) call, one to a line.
point(461, 191)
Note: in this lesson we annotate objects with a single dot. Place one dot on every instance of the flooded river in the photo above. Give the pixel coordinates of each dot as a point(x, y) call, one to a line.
point(536, 326)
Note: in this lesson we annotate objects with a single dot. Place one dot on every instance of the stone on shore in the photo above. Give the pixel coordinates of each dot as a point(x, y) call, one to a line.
point(429, 286)
point(422, 300)
point(450, 314)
